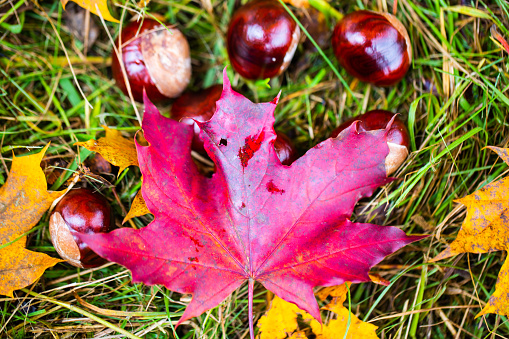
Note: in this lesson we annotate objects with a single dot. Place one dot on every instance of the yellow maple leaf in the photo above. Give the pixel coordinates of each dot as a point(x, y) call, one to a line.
point(337, 328)
point(280, 321)
point(121, 152)
point(138, 208)
point(98, 7)
point(116, 149)
point(23, 200)
point(484, 230)
point(338, 292)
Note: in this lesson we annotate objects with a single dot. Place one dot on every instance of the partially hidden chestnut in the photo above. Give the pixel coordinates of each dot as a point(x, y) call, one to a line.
point(80, 211)
point(397, 137)
point(156, 58)
point(373, 47)
point(261, 40)
point(285, 149)
point(199, 106)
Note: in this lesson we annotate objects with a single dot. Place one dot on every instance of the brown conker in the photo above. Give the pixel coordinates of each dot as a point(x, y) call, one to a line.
point(397, 137)
point(156, 58)
point(261, 40)
point(373, 47)
point(80, 211)
point(199, 106)
point(285, 149)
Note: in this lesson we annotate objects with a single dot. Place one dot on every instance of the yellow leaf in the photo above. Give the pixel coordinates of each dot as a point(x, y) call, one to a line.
point(484, 230)
point(138, 208)
point(298, 3)
point(338, 292)
point(98, 7)
point(498, 302)
point(336, 328)
point(143, 3)
point(116, 149)
point(377, 279)
point(280, 321)
point(23, 200)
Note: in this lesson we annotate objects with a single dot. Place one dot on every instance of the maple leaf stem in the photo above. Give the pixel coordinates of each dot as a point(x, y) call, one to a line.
point(250, 302)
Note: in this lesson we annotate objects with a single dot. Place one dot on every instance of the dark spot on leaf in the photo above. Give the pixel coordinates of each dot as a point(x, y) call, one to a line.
point(250, 147)
point(193, 259)
point(223, 142)
point(243, 205)
point(196, 242)
point(272, 188)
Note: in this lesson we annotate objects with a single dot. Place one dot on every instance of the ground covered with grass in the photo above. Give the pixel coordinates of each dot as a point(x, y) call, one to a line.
point(454, 100)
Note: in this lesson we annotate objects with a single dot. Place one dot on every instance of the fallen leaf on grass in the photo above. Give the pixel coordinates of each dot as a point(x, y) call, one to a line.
point(138, 208)
point(287, 227)
point(113, 147)
point(280, 321)
point(336, 328)
point(121, 152)
point(98, 7)
point(485, 230)
point(23, 200)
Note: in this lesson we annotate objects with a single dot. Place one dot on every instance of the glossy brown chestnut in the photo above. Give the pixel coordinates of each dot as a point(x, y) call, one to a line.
point(397, 138)
point(199, 106)
point(374, 47)
point(285, 149)
point(79, 211)
point(156, 58)
point(262, 39)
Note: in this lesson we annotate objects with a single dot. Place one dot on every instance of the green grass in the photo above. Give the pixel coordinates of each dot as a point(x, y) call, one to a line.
point(41, 102)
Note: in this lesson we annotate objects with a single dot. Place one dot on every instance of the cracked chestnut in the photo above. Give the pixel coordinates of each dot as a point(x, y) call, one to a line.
point(373, 47)
point(397, 138)
point(261, 40)
point(80, 211)
point(156, 58)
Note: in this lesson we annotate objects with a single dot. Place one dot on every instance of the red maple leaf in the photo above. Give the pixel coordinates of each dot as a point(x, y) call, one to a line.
point(255, 219)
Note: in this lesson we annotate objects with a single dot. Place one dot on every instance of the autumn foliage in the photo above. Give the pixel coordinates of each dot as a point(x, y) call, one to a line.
point(23, 200)
point(280, 321)
point(485, 230)
point(255, 219)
